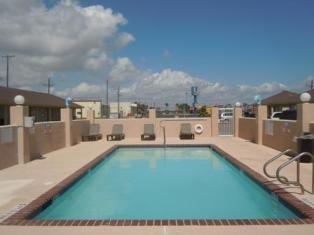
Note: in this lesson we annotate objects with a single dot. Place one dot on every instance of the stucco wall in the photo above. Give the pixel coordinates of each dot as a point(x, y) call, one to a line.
point(46, 137)
point(312, 127)
point(248, 129)
point(133, 128)
point(79, 128)
point(8, 151)
point(282, 136)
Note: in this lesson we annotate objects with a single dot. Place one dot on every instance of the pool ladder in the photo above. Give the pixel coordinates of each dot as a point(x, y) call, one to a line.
point(283, 179)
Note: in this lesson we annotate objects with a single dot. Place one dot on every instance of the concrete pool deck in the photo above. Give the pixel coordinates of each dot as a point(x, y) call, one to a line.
point(23, 183)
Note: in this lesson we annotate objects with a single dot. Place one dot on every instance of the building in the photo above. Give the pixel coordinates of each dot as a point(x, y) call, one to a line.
point(285, 100)
point(44, 107)
point(90, 104)
point(127, 109)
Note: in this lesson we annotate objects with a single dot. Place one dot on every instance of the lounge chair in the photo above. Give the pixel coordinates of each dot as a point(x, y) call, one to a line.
point(93, 133)
point(185, 131)
point(117, 133)
point(149, 132)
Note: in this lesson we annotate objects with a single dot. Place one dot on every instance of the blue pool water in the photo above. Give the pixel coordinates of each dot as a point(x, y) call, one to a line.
point(171, 183)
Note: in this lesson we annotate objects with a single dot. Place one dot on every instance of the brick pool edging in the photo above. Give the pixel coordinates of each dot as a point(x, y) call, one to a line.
point(24, 216)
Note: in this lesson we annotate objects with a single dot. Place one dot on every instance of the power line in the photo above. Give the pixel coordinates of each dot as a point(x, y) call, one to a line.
point(8, 57)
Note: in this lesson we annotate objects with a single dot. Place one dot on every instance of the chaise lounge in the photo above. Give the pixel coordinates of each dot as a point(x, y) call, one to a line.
point(117, 133)
point(185, 132)
point(93, 133)
point(149, 132)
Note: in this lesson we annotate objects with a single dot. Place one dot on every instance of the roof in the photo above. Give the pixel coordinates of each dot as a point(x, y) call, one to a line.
point(32, 98)
point(282, 98)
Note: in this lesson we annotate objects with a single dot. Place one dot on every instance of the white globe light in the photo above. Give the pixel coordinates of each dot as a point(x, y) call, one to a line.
point(237, 104)
point(305, 97)
point(19, 100)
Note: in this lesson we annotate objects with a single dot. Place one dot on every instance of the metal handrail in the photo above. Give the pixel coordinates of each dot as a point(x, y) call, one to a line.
point(296, 183)
point(273, 159)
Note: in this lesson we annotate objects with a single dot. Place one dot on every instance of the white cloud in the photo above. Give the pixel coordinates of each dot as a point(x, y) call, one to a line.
point(124, 71)
point(267, 87)
point(64, 37)
point(71, 37)
point(82, 90)
point(124, 39)
point(168, 86)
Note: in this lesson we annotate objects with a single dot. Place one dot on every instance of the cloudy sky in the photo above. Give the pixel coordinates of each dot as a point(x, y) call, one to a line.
point(156, 50)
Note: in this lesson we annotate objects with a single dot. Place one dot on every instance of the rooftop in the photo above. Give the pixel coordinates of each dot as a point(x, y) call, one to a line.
point(32, 98)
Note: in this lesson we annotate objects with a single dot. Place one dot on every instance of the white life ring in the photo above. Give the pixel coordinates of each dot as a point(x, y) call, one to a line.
point(198, 128)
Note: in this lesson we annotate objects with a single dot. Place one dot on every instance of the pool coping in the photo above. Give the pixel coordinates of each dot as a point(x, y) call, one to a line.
point(24, 216)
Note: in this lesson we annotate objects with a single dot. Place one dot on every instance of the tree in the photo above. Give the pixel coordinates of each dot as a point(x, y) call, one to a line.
point(183, 108)
point(203, 112)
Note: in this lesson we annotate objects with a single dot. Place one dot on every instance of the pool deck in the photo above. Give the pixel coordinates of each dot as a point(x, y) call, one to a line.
point(23, 183)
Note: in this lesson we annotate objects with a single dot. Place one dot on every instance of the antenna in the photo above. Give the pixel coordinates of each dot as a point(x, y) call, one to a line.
point(8, 57)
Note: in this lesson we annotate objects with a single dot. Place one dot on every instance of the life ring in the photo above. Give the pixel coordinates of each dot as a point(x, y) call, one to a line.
point(198, 128)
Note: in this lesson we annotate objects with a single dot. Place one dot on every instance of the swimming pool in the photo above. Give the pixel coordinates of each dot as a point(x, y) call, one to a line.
point(165, 183)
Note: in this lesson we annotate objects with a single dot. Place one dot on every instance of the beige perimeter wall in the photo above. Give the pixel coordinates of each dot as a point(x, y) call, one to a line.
point(133, 128)
point(281, 134)
point(312, 127)
point(46, 137)
point(8, 149)
point(248, 129)
point(79, 128)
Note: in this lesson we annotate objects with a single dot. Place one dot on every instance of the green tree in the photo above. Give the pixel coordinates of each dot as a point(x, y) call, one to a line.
point(203, 112)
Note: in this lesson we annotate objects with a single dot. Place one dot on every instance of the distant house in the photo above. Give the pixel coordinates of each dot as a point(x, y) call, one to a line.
point(285, 100)
point(126, 109)
point(44, 107)
point(89, 104)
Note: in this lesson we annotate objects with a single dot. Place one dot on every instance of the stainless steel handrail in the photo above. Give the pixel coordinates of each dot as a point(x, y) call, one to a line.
point(273, 159)
point(296, 183)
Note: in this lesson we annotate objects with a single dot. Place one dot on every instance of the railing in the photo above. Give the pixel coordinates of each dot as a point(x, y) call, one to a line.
point(296, 183)
point(273, 159)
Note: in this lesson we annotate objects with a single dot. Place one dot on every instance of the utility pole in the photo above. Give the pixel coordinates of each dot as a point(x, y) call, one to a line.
point(118, 102)
point(312, 84)
point(107, 92)
point(49, 85)
point(8, 57)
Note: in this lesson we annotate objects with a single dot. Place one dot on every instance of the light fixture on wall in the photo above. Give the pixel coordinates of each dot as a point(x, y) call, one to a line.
point(68, 102)
point(238, 104)
point(305, 97)
point(258, 99)
point(19, 100)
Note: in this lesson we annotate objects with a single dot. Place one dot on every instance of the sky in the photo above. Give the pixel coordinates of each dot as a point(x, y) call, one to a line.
point(156, 50)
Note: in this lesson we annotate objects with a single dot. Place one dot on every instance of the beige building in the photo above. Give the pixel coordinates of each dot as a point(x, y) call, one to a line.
point(90, 104)
point(127, 109)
